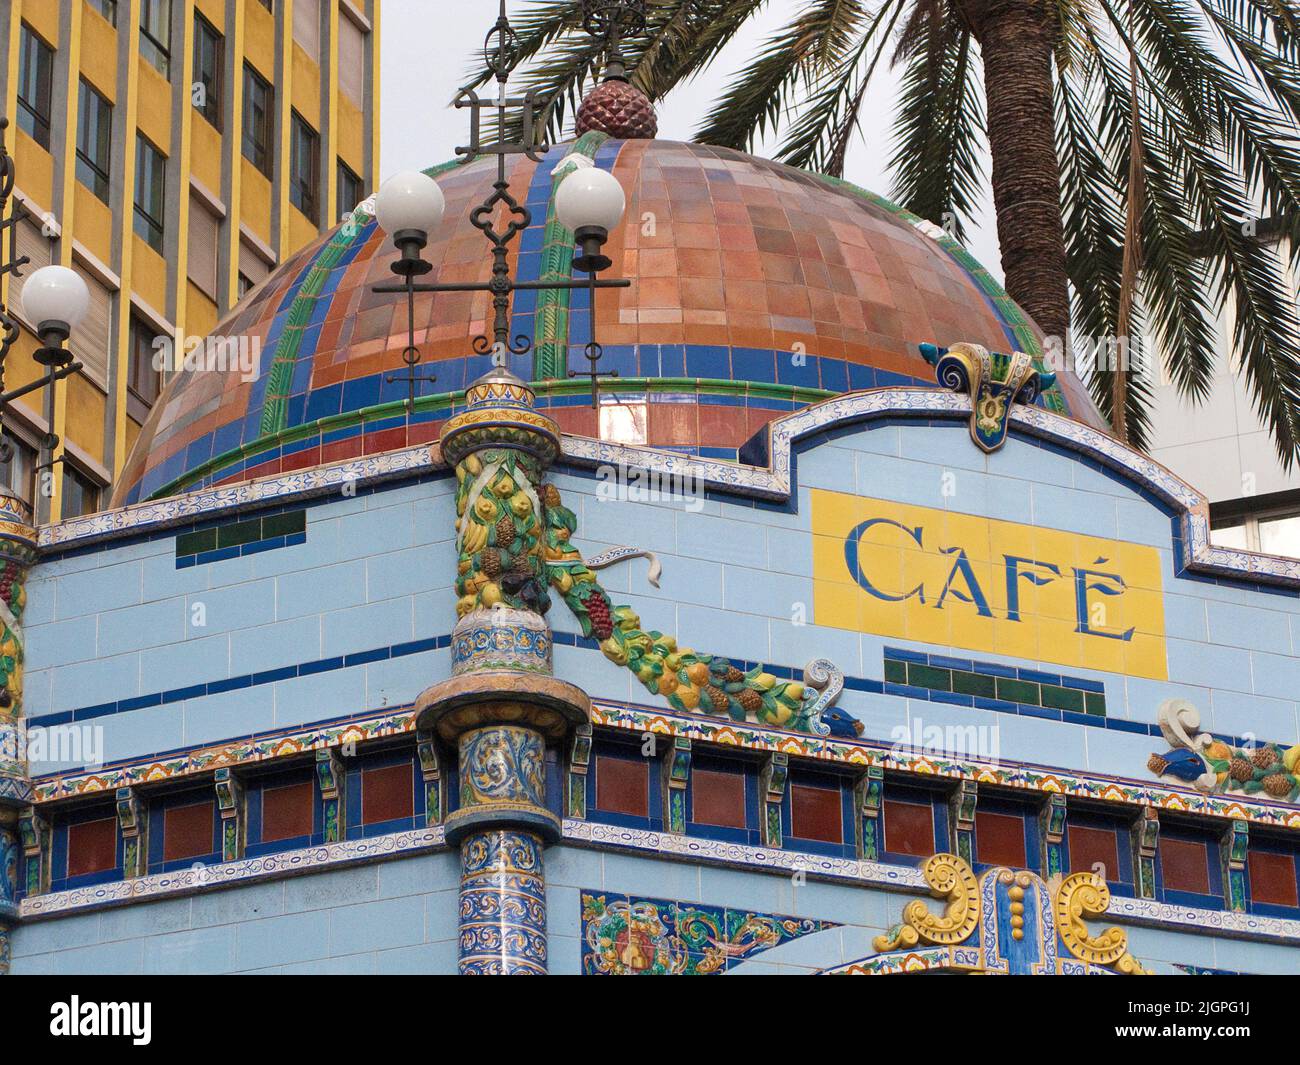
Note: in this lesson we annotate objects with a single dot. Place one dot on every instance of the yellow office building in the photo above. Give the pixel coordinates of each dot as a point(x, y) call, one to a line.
point(173, 152)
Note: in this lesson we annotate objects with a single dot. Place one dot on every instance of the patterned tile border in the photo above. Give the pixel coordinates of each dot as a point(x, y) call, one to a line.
point(703, 729)
point(200, 877)
point(773, 482)
point(239, 752)
point(1004, 774)
point(594, 834)
point(235, 498)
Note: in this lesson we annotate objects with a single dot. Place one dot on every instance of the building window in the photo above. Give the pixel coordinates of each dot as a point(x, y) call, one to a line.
point(19, 473)
point(1274, 532)
point(189, 832)
point(253, 269)
point(209, 61)
point(107, 8)
point(1094, 850)
point(1000, 839)
point(287, 812)
point(718, 797)
point(156, 34)
point(387, 794)
point(817, 813)
point(92, 847)
point(39, 249)
point(352, 59)
point(1185, 865)
point(205, 228)
point(350, 190)
point(1272, 877)
point(150, 192)
point(80, 493)
point(86, 849)
point(94, 140)
point(92, 340)
point(259, 119)
point(144, 378)
point(306, 26)
point(35, 86)
point(304, 168)
point(623, 786)
point(909, 828)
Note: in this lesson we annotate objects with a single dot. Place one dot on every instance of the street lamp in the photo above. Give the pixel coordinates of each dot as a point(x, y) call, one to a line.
point(409, 206)
point(55, 300)
point(409, 210)
point(591, 203)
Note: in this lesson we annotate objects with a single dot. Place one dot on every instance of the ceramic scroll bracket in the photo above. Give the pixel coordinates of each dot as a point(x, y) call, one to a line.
point(994, 382)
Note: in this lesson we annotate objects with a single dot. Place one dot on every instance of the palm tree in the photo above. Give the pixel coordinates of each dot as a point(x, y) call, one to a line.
point(1198, 100)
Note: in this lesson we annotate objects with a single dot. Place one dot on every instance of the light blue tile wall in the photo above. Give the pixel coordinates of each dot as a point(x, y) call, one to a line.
point(394, 916)
point(377, 569)
point(399, 916)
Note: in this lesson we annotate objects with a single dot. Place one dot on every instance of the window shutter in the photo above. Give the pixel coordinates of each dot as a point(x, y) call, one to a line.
point(39, 249)
point(352, 60)
point(204, 230)
point(252, 265)
point(90, 341)
point(306, 26)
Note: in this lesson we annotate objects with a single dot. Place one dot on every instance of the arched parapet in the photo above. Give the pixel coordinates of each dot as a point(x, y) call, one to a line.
point(768, 471)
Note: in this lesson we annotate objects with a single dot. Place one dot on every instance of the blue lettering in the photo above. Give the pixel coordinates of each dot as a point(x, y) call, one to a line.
point(1015, 576)
point(855, 569)
point(1082, 586)
point(961, 564)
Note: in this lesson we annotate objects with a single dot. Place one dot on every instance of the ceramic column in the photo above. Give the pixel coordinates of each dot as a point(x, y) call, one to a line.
point(17, 553)
point(501, 707)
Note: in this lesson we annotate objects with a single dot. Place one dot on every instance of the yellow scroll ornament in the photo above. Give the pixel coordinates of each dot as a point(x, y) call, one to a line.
point(950, 878)
point(1086, 895)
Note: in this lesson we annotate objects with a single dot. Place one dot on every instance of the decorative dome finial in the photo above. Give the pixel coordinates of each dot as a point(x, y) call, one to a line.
point(616, 107)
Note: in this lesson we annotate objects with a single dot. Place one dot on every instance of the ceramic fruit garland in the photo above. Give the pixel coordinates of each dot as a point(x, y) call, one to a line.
point(13, 598)
point(498, 533)
point(688, 679)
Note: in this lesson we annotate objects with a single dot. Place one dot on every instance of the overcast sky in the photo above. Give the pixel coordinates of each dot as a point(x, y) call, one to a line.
point(426, 47)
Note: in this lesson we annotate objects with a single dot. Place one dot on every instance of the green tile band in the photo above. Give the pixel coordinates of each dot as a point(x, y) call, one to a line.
point(241, 533)
point(551, 324)
point(275, 407)
point(987, 686)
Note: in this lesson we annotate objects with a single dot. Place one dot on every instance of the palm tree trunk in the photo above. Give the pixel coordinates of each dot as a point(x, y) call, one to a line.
point(1016, 38)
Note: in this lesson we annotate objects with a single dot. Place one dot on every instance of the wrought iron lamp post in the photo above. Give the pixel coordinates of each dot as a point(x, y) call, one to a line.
point(405, 208)
point(54, 300)
point(502, 707)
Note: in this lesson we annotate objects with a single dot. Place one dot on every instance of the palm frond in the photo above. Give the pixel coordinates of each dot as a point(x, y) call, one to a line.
point(1247, 274)
point(936, 164)
point(817, 40)
point(820, 135)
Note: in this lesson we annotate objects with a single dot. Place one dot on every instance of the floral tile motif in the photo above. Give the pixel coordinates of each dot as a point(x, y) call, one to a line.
point(633, 936)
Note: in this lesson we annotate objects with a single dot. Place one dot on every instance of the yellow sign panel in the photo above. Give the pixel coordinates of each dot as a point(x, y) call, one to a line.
point(938, 577)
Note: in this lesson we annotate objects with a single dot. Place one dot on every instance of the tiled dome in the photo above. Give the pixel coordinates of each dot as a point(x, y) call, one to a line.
point(737, 264)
